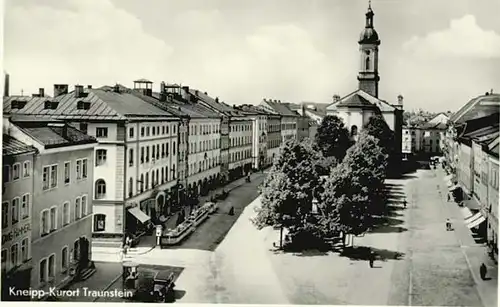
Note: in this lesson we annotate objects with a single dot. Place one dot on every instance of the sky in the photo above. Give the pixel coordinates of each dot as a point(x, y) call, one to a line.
point(438, 54)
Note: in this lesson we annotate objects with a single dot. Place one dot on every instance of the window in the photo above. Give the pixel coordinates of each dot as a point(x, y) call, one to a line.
point(67, 172)
point(15, 210)
point(16, 171)
point(6, 173)
point(84, 205)
point(66, 214)
point(147, 131)
point(154, 131)
point(131, 132)
point(24, 250)
point(5, 214)
point(130, 187)
point(25, 206)
point(52, 266)
point(100, 189)
point(26, 169)
point(147, 153)
point(78, 208)
point(146, 183)
point(153, 152)
point(13, 255)
point(166, 149)
point(44, 222)
point(167, 129)
point(64, 258)
point(142, 155)
point(99, 222)
point(81, 169)
point(142, 183)
point(142, 131)
point(101, 132)
point(49, 177)
point(42, 272)
point(53, 218)
point(131, 157)
point(100, 157)
point(173, 148)
point(157, 151)
point(163, 130)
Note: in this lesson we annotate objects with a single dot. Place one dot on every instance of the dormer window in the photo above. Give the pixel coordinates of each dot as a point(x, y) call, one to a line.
point(83, 105)
point(50, 105)
point(17, 104)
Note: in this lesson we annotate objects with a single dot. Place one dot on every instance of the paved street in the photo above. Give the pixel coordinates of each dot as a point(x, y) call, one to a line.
point(417, 256)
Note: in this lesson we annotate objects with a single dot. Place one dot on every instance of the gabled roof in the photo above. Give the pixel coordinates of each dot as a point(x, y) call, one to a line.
point(361, 99)
point(477, 107)
point(279, 108)
point(192, 110)
point(12, 146)
point(478, 123)
point(219, 106)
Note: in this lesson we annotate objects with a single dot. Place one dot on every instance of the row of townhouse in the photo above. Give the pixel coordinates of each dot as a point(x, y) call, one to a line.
point(46, 204)
point(426, 139)
point(156, 150)
point(471, 148)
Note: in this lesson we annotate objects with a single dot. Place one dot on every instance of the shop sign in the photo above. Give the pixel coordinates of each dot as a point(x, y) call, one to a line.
point(15, 233)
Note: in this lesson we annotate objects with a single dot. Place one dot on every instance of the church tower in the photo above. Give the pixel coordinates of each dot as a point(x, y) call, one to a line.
point(368, 48)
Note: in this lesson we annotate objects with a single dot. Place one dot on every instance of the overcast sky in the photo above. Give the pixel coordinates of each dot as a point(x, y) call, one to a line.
point(436, 53)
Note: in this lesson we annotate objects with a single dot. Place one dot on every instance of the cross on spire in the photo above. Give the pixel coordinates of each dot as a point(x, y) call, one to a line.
point(369, 4)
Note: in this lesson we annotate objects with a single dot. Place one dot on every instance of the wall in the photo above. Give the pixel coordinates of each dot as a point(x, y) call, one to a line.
point(493, 200)
point(20, 189)
point(64, 235)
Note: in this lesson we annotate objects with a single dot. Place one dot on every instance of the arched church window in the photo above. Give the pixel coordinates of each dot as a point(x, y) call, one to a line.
point(367, 63)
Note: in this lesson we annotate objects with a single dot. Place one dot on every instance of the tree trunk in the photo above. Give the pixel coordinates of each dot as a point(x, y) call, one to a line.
point(281, 236)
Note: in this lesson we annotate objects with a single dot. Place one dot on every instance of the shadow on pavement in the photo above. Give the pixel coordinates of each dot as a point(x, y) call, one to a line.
point(363, 253)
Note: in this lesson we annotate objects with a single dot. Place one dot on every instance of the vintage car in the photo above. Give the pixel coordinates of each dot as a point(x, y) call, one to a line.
point(163, 287)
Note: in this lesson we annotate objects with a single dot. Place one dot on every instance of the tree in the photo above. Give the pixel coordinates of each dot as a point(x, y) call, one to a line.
point(350, 191)
point(288, 190)
point(332, 138)
point(378, 128)
point(368, 163)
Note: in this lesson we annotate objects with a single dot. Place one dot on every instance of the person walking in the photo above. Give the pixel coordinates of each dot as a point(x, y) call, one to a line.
point(448, 225)
point(371, 259)
point(482, 271)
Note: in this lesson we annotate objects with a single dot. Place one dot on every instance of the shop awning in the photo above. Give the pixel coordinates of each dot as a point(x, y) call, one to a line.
point(476, 220)
point(141, 216)
point(466, 213)
point(472, 204)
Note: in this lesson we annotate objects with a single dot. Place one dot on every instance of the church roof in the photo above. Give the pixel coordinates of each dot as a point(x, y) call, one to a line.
point(362, 100)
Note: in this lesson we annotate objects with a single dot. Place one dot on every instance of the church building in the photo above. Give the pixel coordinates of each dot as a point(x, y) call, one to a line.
point(357, 107)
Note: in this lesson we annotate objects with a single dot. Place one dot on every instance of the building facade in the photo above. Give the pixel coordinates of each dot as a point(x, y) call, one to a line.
point(406, 146)
point(357, 108)
point(274, 138)
point(62, 208)
point(17, 199)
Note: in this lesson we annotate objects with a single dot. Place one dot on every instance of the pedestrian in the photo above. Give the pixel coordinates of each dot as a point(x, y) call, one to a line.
point(448, 225)
point(371, 259)
point(482, 271)
point(231, 211)
point(404, 203)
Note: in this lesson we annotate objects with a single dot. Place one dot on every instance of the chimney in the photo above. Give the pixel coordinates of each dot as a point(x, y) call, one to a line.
point(60, 89)
point(163, 88)
point(78, 91)
point(6, 86)
point(41, 92)
point(400, 99)
point(116, 88)
point(279, 101)
point(89, 87)
point(336, 98)
point(217, 99)
point(486, 94)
